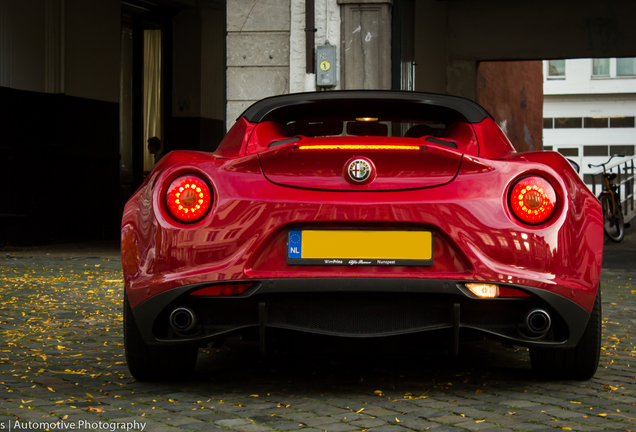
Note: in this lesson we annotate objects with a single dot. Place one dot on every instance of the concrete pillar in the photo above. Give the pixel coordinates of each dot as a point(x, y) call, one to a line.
point(327, 23)
point(366, 44)
point(257, 52)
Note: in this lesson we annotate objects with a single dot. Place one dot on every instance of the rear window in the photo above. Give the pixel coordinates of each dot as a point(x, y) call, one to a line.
point(365, 126)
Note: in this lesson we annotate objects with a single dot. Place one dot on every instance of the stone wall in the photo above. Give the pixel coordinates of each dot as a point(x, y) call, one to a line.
point(327, 23)
point(257, 52)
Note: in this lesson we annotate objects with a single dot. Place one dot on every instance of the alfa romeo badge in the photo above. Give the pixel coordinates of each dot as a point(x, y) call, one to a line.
point(359, 170)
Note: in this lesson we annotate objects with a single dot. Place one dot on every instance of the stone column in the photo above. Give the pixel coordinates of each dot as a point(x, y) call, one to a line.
point(257, 52)
point(366, 44)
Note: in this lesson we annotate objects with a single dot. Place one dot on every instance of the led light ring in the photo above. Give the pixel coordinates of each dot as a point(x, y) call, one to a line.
point(533, 200)
point(189, 198)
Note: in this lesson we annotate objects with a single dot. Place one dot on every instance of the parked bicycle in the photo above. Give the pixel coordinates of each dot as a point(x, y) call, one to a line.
point(613, 223)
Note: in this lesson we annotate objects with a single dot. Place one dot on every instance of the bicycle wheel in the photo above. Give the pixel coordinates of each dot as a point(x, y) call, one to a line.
point(613, 224)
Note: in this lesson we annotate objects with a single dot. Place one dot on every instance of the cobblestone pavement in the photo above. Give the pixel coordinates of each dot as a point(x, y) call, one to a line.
point(62, 366)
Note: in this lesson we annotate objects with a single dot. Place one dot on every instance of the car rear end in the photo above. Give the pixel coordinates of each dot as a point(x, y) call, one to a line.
point(386, 217)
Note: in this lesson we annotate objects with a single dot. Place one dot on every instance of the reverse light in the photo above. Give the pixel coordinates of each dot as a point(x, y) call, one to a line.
point(484, 290)
point(533, 199)
point(359, 147)
point(188, 198)
point(222, 290)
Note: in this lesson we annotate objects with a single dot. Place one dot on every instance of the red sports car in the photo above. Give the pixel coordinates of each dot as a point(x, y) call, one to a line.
point(363, 214)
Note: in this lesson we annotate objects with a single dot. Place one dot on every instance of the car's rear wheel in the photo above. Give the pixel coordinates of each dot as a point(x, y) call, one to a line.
point(154, 363)
point(579, 362)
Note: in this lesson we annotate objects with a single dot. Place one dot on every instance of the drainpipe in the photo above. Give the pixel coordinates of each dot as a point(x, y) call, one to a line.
point(310, 42)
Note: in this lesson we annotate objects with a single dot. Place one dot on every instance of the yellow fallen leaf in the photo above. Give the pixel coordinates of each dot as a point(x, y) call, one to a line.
point(575, 402)
point(479, 421)
point(602, 415)
point(398, 421)
point(253, 395)
point(65, 417)
point(90, 395)
point(360, 410)
point(50, 389)
point(95, 409)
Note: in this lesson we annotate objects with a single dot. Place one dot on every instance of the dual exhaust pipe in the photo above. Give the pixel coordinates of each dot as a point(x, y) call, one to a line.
point(536, 322)
point(183, 319)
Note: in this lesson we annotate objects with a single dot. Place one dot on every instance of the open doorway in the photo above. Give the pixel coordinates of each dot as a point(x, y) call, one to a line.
point(142, 98)
point(152, 97)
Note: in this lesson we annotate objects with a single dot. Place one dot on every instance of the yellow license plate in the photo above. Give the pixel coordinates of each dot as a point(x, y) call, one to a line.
point(360, 247)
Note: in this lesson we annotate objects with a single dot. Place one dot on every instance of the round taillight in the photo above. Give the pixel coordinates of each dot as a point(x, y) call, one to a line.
point(533, 199)
point(188, 198)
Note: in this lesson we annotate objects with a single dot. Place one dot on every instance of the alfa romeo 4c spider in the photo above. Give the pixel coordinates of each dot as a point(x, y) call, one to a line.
point(363, 214)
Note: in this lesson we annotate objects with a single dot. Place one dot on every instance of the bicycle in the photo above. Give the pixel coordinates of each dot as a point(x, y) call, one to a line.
point(613, 223)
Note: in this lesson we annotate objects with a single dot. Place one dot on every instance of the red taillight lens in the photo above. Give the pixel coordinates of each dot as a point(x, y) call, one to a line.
point(189, 198)
point(222, 290)
point(533, 199)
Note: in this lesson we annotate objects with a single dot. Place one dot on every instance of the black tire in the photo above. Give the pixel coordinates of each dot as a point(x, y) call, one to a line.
point(613, 225)
point(578, 363)
point(154, 363)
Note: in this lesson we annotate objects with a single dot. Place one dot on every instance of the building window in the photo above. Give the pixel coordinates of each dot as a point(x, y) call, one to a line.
point(589, 122)
point(568, 123)
point(547, 148)
point(595, 150)
point(569, 151)
point(626, 66)
point(625, 150)
point(621, 122)
point(601, 67)
point(556, 68)
point(595, 122)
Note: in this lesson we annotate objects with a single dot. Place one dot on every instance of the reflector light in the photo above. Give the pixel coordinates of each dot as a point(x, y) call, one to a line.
point(512, 292)
point(222, 290)
point(358, 147)
point(483, 290)
point(533, 199)
point(188, 198)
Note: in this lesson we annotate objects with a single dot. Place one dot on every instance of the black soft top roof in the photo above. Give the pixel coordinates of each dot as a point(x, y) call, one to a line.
point(371, 102)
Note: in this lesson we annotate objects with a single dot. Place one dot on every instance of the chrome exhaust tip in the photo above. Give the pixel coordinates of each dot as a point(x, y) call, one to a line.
point(537, 322)
point(182, 319)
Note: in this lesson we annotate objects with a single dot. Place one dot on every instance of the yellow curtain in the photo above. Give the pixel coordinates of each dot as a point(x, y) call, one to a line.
point(152, 92)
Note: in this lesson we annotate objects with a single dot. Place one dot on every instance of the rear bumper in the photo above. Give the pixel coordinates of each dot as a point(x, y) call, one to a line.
point(360, 308)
